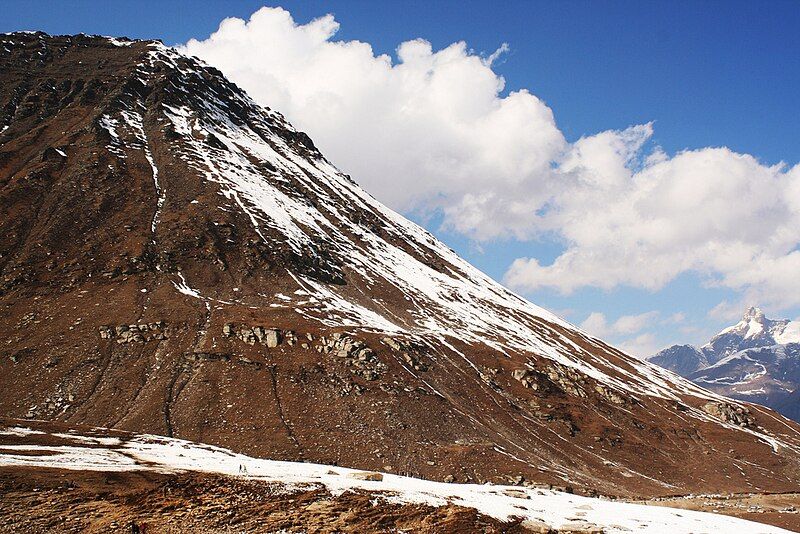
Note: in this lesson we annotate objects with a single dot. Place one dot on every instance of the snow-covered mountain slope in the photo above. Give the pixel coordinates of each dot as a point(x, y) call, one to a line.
point(25, 447)
point(178, 260)
point(757, 359)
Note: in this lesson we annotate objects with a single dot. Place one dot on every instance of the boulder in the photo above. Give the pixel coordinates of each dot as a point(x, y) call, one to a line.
point(259, 334)
point(392, 343)
point(609, 394)
point(53, 154)
point(730, 413)
point(536, 526)
point(272, 338)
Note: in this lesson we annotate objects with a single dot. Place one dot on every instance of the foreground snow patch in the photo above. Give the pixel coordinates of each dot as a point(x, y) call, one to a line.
point(166, 455)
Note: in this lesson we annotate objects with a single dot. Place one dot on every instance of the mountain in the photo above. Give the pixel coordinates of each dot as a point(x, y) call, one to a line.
point(178, 260)
point(756, 360)
point(681, 359)
point(753, 331)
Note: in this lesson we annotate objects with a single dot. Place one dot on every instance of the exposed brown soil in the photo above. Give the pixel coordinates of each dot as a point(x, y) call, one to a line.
point(52, 500)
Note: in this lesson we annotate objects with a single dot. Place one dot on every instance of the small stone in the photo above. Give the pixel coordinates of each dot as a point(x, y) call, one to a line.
point(580, 527)
point(516, 494)
point(536, 526)
point(367, 475)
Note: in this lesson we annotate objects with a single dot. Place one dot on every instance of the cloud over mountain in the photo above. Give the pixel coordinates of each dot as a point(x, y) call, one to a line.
point(433, 131)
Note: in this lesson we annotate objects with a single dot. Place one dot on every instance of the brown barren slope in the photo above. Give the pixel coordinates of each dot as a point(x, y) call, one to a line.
point(176, 260)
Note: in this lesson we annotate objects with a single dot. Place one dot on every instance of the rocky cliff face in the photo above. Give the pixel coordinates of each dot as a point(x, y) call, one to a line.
point(757, 360)
point(175, 259)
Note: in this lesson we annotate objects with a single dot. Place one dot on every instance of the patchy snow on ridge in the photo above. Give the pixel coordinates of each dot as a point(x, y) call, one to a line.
point(556, 509)
point(293, 196)
point(260, 166)
point(454, 301)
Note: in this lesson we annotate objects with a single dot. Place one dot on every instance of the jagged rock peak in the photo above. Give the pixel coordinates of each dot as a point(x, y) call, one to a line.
point(753, 313)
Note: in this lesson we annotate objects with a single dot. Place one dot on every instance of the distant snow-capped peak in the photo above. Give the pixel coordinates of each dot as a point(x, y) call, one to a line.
point(754, 330)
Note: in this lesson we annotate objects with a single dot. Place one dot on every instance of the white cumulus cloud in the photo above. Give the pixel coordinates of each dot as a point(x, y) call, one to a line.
point(597, 324)
point(432, 130)
point(642, 346)
point(724, 215)
point(627, 331)
point(429, 131)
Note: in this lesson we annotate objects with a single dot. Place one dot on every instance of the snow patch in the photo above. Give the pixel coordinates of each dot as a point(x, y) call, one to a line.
point(166, 455)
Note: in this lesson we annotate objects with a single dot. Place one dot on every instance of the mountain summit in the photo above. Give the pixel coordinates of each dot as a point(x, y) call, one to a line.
point(757, 359)
point(178, 260)
point(754, 330)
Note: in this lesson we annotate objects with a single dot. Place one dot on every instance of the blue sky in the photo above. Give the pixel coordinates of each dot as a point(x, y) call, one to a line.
point(707, 74)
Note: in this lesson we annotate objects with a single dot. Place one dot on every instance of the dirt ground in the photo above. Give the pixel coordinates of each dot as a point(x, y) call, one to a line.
point(43, 501)
point(55, 500)
point(774, 509)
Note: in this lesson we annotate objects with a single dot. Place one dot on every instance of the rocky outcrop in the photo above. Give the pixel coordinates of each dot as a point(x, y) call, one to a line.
point(357, 355)
point(610, 395)
point(529, 378)
point(134, 333)
point(569, 380)
point(271, 337)
point(413, 353)
point(731, 413)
